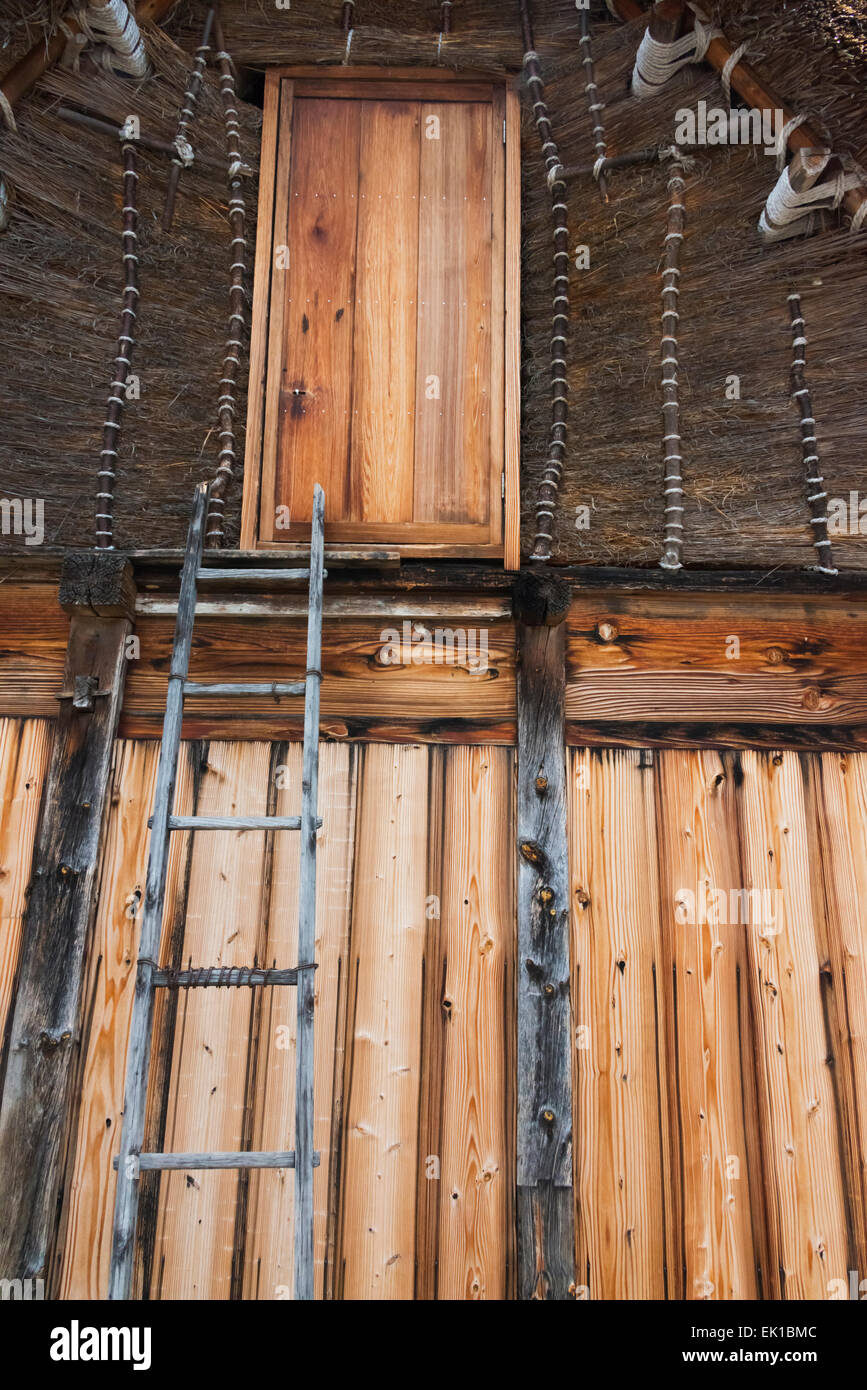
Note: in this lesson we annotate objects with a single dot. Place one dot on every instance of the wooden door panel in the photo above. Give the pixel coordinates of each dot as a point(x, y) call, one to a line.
point(386, 313)
point(318, 312)
point(384, 354)
point(453, 392)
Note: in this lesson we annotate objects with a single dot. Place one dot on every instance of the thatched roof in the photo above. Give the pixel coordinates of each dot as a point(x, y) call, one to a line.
point(60, 283)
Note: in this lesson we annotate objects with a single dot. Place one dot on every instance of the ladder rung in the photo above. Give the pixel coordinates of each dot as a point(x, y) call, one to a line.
point(256, 576)
point(251, 688)
point(234, 822)
point(231, 976)
point(278, 1159)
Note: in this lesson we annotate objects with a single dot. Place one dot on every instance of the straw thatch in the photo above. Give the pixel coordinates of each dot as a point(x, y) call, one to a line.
point(60, 280)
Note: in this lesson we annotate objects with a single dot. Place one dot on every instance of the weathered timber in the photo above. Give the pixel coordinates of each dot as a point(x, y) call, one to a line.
point(46, 1033)
point(544, 1086)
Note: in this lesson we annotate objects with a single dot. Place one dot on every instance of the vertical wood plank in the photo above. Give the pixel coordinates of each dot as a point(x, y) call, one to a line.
point(264, 269)
point(316, 369)
point(195, 1238)
point(512, 431)
point(546, 1250)
point(381, 1139)
point(478, 914)
point(39, 1099)
point(384, 348)
point(90, 1196)
point(24, 749)
point(705, 958)
point(268, 1272)
point(621, 1170)
point(796, 1097)
point(453, 401)
point(839, 834)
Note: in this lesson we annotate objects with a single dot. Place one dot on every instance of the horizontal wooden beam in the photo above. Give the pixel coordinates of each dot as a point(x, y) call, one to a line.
point(755, 91)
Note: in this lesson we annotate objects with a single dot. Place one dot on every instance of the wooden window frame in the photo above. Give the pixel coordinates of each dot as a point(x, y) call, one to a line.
point(429, 539)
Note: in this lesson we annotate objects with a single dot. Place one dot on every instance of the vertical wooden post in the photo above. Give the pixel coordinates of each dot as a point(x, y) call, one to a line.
point(545, 1205)
point(97, 590)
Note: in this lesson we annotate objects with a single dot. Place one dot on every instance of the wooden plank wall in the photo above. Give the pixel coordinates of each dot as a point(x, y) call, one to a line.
point(414, 1051)
point(720, 1093)
point(718, 957)
point(24, 748)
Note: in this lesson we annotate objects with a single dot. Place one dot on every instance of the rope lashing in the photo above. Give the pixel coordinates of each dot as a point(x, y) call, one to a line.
point(595, 105)
point(729, 66)
point(789, 212)
point(657, 62)
point(445, 25)
point(817, 497)
point(549, 486)
point(107, 474)
point(347, 23)
point(672, 546)
point(184, 151)
point(123, 47)
point(232, 358)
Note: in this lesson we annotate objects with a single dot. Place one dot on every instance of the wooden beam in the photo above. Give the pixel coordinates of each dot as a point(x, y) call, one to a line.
point(45, 1039)
point(754, 90)
point(43, 55)
point(545, 1204)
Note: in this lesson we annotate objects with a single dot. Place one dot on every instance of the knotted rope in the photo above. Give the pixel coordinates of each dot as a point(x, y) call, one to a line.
point(595, 105)
point(817, 497)
point(672, 547)
point(550, 484)
point(123, 47)
point(790, 213)
point(657, 62)
point(236, 171)
point(111, 429)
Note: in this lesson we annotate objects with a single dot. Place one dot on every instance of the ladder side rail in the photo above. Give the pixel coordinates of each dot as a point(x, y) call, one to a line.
point(304, 1053)
point(139, 1048)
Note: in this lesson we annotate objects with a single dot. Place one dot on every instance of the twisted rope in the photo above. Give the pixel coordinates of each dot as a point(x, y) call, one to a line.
point(232, 358)
point(550, 484)
point(817, 497)
point(790, 213)
point(107, 474)
point(657, 62)
point(595, 105)
point(123, 49)
point(672, 546)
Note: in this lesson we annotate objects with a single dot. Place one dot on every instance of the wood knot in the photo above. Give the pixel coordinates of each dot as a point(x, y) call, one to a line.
point(775, 655)
point(606, 632)
point(812, 698)
point(532, 852)
point(548, 1117)
point(541, 784)
point(583, 897)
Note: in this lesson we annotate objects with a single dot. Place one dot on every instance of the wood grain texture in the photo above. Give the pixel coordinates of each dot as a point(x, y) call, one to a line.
point(452, 451)
point(39, 1100)
point(756, 660)
point(90, 1185)
point(544, 1033)
point(25, 745)
point(268, 1272)
point(384, 349)
point(621, 1171)
point(224, 926)
point(381, 1137)
point(479, 944)
point(796, 1093)
point(716, 1175)
point(316, 368)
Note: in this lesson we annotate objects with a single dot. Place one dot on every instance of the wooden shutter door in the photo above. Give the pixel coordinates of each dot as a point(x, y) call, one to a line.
point(384, 374)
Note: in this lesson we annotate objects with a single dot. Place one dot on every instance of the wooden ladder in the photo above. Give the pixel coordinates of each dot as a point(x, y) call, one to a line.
point(131, 1162)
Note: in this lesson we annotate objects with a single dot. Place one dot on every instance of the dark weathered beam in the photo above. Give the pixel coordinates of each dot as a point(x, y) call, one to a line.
point(45, 1038)
point(545, 1205)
